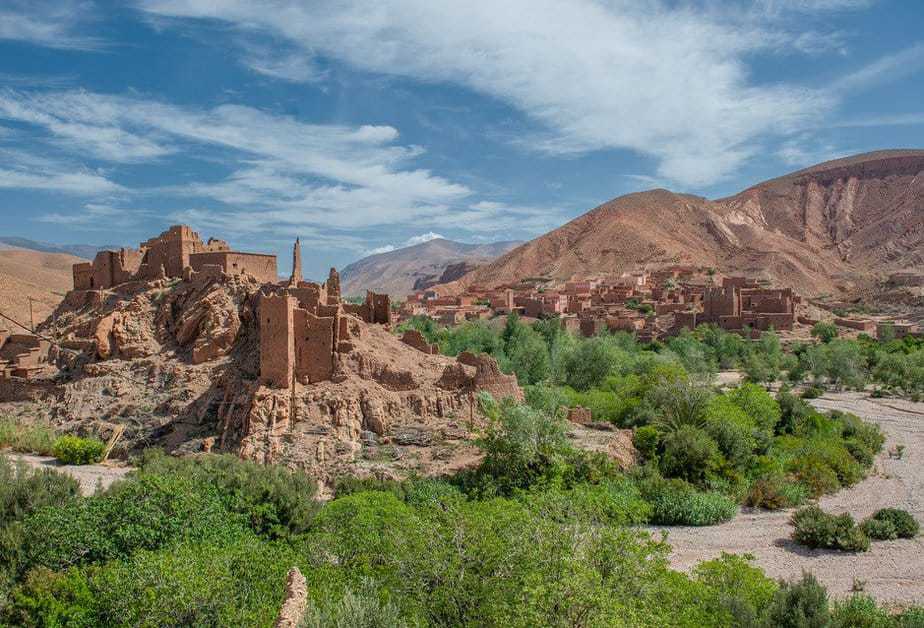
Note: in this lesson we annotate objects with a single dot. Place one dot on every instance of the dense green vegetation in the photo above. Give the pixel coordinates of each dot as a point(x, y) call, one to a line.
point(539, 534)
point(187, 542)
point(704, 451)
point(77, 450)
point(543, 352)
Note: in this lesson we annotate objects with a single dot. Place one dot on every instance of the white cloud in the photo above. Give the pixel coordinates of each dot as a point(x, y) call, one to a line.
point(94, 215)
point(51, 23)
point(665, 81)
point(77, 183)
point(423, 237)
point(286, 173)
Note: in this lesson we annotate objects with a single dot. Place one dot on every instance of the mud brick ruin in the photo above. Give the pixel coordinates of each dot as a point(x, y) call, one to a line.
point(304, 328)
point(176, 251)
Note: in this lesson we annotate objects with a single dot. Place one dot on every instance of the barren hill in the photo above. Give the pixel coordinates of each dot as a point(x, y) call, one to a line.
point(830, 227)
point(404, 270)
point(45, 277)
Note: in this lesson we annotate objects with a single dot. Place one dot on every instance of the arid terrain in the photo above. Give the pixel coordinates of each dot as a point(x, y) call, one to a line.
point(891, 571)
point(46, 277)
point(832, 228)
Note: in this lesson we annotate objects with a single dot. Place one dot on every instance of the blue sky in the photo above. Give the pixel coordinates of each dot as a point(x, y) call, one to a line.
point(360, 125)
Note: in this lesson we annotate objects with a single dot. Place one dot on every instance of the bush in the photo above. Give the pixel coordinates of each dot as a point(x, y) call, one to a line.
point(825, 331)
point(802, 604)
point(616, 501)
point(30, 438)
point(879, 529)
point(775, 491)
point(741, 588)
point(364, 609)
point(148, 512)
point(689, 453)
point(812, 392)
point(817, 529)
point(646, 439)
point(277, 501)
point(76, 450)
point(859, 611)
point(675, 502)
point(906, 527)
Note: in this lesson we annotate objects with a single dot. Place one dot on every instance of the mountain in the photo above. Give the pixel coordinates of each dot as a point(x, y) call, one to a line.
point(405, 270)
point(86, 251)
point(24, 273)
point(832, 227)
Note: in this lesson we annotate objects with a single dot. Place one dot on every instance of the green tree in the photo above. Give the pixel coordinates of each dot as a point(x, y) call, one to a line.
point(825, 331)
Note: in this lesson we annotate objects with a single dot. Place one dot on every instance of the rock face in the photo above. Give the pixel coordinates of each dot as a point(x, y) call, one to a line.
point(178, 363)
point(830, 227)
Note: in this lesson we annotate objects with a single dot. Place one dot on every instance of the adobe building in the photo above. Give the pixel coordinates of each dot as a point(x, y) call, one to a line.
point(305, 327)
point(170, 255)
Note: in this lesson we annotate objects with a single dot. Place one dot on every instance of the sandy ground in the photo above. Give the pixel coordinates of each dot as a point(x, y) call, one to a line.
point(893, 571)
point(91, 476)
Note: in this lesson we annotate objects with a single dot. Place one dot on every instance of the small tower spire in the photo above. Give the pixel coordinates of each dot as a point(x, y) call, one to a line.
point(296, 263)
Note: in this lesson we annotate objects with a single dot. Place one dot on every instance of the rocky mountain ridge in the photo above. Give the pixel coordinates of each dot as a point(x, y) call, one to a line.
point(831, 228)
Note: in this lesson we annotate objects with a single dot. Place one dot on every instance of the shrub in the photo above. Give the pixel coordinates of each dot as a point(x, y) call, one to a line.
point(364, 609)
point(148, 512)
point(818, 529)
point(825, 331)
point(859, 611)
point(775, 491)
point(276, 500)
point(802, 604)
point(879, 529)
point(906, 527)
point(675, 502)
point(689, 453)
point(31, 438)
point(646, 439)
point(758, 404)
point(817, 477)
point(812, 392)
point(741, 588)
point(616, 501)
point(76, 450)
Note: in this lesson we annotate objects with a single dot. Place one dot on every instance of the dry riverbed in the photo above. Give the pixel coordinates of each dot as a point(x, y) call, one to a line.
point(90, 476)
point(893, 571)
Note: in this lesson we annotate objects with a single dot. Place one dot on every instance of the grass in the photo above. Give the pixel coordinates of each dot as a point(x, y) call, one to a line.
point(34, 438)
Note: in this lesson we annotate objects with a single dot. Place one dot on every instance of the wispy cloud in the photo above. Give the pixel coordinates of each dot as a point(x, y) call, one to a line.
point(883, 70)
point(91, 215)
point(79, 183)
point(50, 23)
point(665, 81)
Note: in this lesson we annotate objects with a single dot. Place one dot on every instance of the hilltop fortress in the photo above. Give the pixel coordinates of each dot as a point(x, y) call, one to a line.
point(193, 346)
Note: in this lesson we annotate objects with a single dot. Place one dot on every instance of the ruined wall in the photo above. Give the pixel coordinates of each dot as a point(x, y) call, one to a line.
point(260, 267)
point(315, 342)
point(721, 302)
point(277, 346)
point(415, 339)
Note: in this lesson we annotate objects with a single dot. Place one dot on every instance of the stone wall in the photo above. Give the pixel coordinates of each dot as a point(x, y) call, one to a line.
point(277, 346)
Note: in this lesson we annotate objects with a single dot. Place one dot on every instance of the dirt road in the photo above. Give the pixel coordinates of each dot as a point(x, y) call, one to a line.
point(893, 571)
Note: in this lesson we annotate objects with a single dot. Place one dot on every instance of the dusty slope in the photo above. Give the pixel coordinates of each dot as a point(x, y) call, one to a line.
point(893, 570)
point(833, 226)
point(402, 271)
point(46, 277)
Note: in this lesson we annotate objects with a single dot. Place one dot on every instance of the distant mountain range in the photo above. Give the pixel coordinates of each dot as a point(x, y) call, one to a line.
point(402, 271)
point(835, 227)
point(86, 251)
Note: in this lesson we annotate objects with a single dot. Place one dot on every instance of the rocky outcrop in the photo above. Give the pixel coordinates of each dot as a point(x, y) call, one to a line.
point(489, 378)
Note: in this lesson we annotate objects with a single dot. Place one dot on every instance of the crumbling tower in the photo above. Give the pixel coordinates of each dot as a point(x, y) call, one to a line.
point(333, 287)
point(296, 264)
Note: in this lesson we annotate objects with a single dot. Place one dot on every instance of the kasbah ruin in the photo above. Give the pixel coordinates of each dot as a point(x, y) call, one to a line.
point(197, 347)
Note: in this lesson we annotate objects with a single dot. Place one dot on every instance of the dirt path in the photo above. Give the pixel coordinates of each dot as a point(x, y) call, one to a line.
point(893, 570)
point(90, 476)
